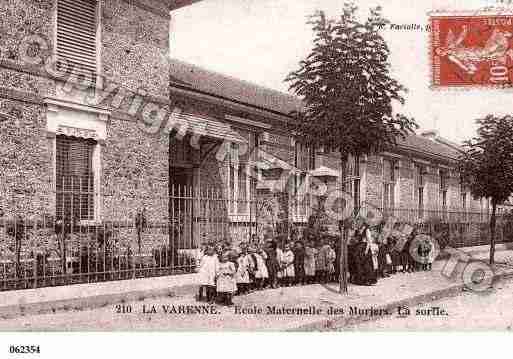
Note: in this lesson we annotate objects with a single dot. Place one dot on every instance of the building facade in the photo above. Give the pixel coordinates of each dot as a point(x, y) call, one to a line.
point(419, 175)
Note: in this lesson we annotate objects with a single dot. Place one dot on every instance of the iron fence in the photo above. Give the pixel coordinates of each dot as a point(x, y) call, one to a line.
point(453, 228)
point(39, 250)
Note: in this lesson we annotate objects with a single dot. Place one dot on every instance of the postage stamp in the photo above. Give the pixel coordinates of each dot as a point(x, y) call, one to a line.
point(472, 50)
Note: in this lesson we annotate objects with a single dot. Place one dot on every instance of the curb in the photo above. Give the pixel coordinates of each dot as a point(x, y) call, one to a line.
point(343, 321)
point(471, 251)
point(98, 301)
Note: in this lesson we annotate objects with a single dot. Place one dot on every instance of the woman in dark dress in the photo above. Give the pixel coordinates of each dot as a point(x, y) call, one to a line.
point(365, 271)
point(370, 271)
point(272, 263)
point(352, 262)
point(357, 257)
point(406, 259)
point(357, 277)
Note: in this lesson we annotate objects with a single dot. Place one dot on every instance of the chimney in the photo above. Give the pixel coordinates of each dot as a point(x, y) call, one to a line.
point(430, 134)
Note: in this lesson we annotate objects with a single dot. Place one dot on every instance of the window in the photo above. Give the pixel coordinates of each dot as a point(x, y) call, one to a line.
point(354, 181)
point(76, 37)
point(388, 184)
point(443, 190)
point(232, 166)
point(241, 184)
point(485, 205)
point(303, 161)
point(311, 159)
point(301, 197)
point(463, 194)
point(419, 185)
point(74, 178)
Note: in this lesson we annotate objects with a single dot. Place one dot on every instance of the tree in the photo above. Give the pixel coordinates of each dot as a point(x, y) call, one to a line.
point(486, 166)
point(348, 92)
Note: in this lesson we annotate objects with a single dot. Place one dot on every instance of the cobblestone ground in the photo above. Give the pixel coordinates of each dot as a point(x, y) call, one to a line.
point(468, 311)
point(313, 297)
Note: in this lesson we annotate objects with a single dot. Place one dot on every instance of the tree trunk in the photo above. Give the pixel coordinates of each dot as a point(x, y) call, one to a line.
point(493, 221)
point(343, 231)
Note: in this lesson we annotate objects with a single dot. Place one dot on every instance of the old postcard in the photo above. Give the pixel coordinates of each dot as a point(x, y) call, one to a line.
point(277, 165)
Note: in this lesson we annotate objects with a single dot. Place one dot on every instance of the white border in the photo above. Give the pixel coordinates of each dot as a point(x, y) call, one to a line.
point(400, 345)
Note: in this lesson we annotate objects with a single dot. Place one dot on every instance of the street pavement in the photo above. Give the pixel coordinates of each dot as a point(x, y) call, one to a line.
point(277, 309)
point(467, 311)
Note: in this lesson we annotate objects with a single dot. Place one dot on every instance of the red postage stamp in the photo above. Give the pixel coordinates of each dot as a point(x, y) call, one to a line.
point(472, 50)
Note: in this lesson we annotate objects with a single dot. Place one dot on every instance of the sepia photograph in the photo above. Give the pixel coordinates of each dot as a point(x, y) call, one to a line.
point(255, 166)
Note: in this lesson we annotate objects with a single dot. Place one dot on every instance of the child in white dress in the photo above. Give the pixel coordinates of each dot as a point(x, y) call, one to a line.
point(261, 273)
point(242, 276)
point(226, 284)
point(288, 266)
point(207, 275)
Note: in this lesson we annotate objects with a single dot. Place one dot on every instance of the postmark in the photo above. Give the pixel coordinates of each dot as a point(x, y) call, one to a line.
point(472, 50)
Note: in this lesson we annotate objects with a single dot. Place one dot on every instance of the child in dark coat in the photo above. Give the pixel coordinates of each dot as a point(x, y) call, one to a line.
point(272, 264)
point(299, 262)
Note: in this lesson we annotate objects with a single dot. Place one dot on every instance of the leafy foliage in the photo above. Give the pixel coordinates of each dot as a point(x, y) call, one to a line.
point(348, 92)
point(347, 88)
point(486, 165)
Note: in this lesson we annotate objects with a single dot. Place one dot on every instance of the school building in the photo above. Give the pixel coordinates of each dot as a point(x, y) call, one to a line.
point(115, 157)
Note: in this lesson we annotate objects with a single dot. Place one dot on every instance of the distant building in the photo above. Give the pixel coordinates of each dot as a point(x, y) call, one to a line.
point(419, 175)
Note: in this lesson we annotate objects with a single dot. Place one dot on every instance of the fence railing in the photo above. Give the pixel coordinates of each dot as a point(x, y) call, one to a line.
point(45, 250)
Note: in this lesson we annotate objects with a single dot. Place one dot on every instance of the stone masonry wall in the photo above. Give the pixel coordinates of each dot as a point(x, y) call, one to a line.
point(134, 173)
point(20, 19)
point(135, 47)
point(25, 160)
point(25, 156)
point(134, 54)
point(134, 164)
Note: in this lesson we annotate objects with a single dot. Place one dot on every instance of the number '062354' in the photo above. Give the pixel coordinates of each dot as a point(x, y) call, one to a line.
point(24, 349)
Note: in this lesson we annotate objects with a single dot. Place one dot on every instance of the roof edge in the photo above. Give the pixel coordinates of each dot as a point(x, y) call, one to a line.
point(178, 4)
point(262, 111)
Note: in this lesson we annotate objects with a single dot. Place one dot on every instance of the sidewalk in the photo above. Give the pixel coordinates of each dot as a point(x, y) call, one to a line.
point(401, 289)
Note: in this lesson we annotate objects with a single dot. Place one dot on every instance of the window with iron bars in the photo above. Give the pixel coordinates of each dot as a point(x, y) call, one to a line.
point(389, 179)
point(463, 198)
point(232, 165)
point(74, 178)
point(354, 181)
point(420, 172)
point(242, 185)
point(301, 198)
point(311, 158)
point(76, 47)
point(463, 194)
point(443, 190)
point(243, 188)
point(304, 160)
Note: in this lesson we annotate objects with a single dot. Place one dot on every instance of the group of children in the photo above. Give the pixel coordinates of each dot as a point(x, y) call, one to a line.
point(226, 271)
